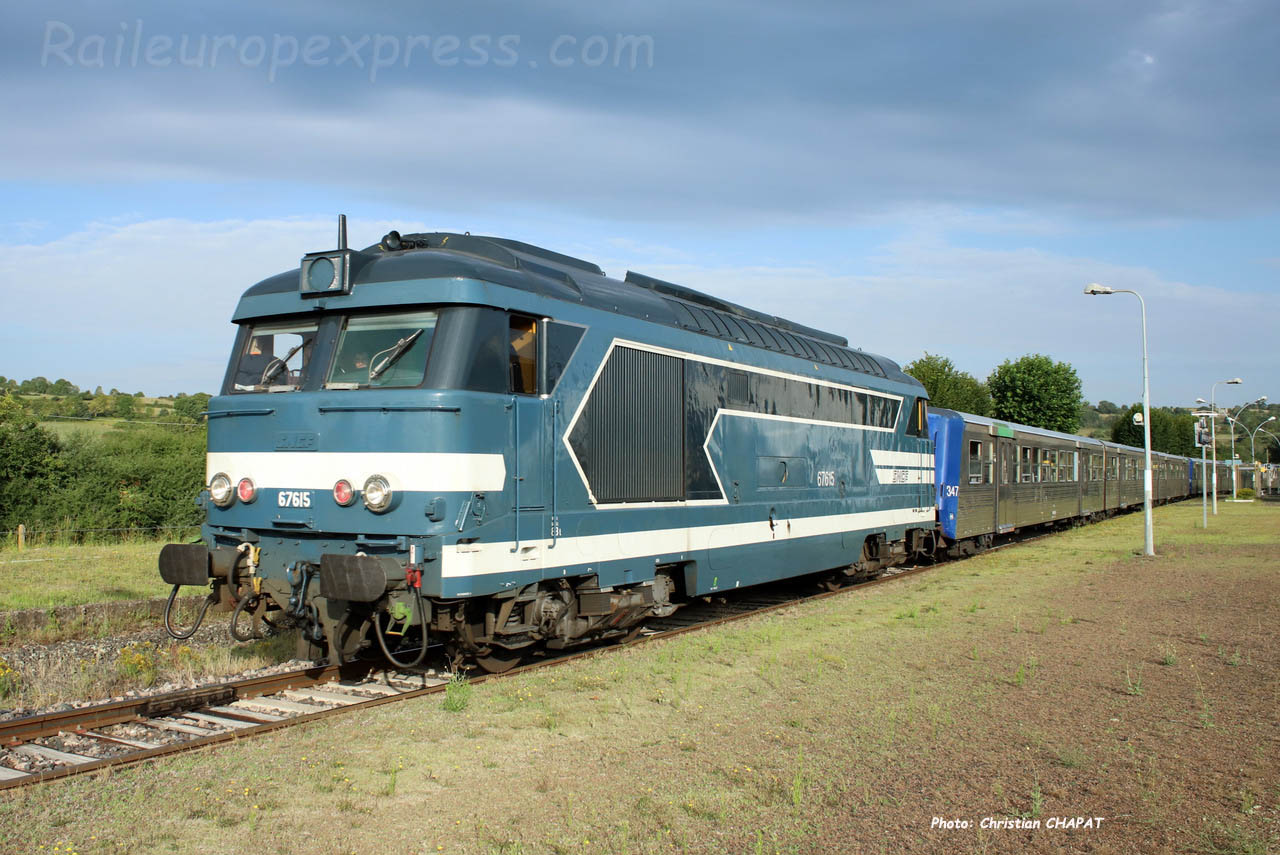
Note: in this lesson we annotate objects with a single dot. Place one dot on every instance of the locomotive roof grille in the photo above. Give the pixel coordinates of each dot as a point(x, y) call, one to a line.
point(553, 274)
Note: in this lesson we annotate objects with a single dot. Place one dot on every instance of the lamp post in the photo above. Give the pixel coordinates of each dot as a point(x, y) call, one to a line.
point(1213, 433)
point(1234, 420)
point(1149, 548)
point(1253, 453)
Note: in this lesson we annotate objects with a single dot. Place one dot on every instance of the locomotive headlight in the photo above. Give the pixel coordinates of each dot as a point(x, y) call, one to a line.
point(220, 490)
point(246, 491)
point(377, 494)
point(343, 493)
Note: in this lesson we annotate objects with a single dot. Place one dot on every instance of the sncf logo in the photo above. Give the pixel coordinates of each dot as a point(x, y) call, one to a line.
point(294, 498)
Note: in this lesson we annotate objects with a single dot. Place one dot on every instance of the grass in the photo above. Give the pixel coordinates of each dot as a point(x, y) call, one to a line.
point(821, 729)
point(46, 576)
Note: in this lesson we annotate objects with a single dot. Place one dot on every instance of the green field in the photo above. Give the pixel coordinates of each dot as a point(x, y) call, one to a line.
point(46, 576)
point(1066, 677)
point(67, 428)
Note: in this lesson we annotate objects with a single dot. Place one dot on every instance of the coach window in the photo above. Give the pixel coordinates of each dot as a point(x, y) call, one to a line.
point(523, 355)
point(1048, 465)
point(975, 462)
point(1113, 468)
point(1027, 471)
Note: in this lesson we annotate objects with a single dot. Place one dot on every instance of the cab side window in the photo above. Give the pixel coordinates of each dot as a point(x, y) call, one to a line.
point(523, 355)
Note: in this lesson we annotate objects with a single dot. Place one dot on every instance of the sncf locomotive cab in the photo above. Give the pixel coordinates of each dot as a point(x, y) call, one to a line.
point(355, 427)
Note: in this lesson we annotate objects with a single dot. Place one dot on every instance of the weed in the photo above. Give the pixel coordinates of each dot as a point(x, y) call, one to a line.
point(1071, 758)
point(1169, 655)
point(797, 783)
point(1234, 660)
point(1025, 671)
point(1037, 801)
point(911, 613)
point(972, 607)
point(392, 774)
point(139, 662)
point(1132, 684)
point(10, 680)
point(457, 694)
point(1248, 804)
point(1233, 840)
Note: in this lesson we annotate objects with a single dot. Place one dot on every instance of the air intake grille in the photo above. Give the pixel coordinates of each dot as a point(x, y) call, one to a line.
point(629, 438)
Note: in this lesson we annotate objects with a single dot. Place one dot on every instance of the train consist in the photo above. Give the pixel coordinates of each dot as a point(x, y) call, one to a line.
point(478, 442)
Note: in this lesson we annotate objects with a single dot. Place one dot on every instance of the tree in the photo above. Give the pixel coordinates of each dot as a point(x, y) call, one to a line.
point(101, 405)
point(1107, 408)
point(28, 462)
point(949, 387)
point(123, 406)
point(1090, 416)
point(35, 386)
point(1036, 391)
point(1171, 431)
point(189, 407)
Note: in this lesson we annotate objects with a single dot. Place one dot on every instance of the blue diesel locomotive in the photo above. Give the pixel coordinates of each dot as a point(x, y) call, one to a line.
point(478, 442)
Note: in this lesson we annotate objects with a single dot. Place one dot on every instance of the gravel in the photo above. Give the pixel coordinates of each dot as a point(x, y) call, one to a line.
point(104, 652)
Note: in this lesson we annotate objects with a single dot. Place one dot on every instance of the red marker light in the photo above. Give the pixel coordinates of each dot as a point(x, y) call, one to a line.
point(245, 491)
point(343, 493)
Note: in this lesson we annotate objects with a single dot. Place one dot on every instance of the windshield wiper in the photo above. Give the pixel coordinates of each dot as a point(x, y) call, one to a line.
point(398, 351)
point(275, 367)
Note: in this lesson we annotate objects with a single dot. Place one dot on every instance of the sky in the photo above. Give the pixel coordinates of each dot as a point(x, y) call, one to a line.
point(919, 176)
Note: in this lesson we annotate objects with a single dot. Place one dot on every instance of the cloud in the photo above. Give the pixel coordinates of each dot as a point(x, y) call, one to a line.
point(981, 307)
point(821, 112)
point(143, 304)
point(148, 303)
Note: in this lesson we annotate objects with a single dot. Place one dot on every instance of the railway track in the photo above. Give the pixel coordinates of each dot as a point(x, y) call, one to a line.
point(45, 747)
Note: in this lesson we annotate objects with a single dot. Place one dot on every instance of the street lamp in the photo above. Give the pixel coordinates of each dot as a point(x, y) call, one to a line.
point(1233, 421)
point(1213, 433)
point(1253, 453)
point(1149, 548)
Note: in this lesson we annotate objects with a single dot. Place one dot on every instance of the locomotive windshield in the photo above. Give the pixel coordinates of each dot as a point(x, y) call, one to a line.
point(275, 358)
point(383, 350)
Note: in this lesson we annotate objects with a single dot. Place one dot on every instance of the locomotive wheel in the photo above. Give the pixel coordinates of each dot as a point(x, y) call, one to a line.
point(499, 660)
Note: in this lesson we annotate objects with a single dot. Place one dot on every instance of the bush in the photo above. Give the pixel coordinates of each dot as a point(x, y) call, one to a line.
point(1246, 493)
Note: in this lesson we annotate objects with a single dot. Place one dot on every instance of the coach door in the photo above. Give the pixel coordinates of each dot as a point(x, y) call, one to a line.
point(1007, 477)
